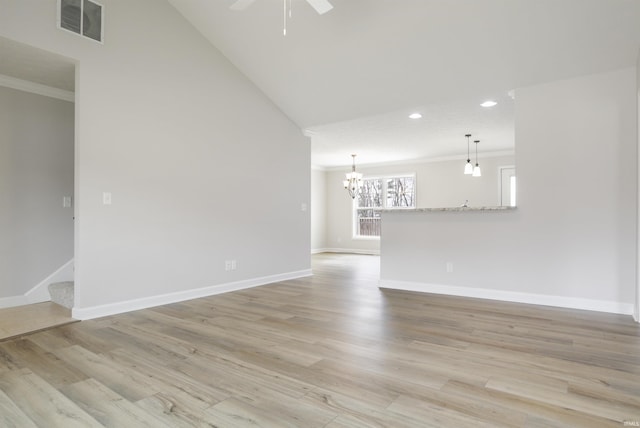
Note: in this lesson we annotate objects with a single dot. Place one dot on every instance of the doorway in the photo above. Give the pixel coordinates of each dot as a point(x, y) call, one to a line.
point(37, 173)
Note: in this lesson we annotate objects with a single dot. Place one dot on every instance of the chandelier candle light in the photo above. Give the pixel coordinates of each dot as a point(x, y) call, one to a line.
point(476, 169)
point(468, 167)
point(353, 181)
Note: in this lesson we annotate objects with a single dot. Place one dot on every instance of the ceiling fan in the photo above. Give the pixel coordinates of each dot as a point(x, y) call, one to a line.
point(321, 6)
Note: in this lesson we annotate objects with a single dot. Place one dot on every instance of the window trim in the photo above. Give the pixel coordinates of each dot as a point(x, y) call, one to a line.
point(500, 171)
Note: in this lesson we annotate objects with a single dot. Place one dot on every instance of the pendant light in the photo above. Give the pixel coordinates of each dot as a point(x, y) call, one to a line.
point(353, 183)
point(468, 167)
point(476, 169)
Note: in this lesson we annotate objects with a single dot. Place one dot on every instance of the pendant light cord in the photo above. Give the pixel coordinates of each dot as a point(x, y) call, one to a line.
point(284, 29)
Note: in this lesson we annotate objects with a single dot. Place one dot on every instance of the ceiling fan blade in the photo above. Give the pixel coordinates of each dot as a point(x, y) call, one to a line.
point(321, 6)
point(241, 4)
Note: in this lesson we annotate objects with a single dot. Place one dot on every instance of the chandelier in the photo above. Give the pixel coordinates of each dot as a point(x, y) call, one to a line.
point(353, 183)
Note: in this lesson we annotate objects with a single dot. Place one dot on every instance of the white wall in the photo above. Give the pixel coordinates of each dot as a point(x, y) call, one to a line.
point(202, 167)
point(571, 241)
point(318, 210)
point(36, 172)
point(439, 184)
point(637, 311)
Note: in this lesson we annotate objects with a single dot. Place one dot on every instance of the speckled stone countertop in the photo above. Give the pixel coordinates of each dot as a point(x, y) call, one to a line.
point(427, 210)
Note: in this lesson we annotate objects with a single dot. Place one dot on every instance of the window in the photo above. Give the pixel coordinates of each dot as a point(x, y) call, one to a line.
point(381, 193)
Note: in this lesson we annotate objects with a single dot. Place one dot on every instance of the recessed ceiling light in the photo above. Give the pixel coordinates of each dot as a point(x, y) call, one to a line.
point(415, 116)
point(488, 103)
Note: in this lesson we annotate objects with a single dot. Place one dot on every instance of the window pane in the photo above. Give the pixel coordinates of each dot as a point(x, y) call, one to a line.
point(92, 20)
point(401, 192)
point(70, 15)
point(370, 193)
point(368, 222)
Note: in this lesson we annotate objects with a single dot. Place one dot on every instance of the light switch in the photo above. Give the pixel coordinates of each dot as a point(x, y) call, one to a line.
point(66, 202)
point(106, 198)
point(303, 207)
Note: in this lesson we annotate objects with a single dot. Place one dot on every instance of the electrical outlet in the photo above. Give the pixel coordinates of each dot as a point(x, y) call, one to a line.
point(227, 265)
point(234, 264)
point(449, 267)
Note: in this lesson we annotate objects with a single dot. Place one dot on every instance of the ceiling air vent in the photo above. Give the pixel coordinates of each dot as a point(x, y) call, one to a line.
point(82, 17)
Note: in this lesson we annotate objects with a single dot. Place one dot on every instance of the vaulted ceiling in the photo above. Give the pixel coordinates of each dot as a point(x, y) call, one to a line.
point(351, 76)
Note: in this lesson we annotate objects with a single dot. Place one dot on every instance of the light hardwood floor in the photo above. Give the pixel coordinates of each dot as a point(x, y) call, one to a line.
point(21, 320)
point(328, 351)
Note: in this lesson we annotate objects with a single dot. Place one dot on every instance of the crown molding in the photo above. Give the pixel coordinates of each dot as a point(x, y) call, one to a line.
point(485, 155)
point(36, 88)
point(309, 133)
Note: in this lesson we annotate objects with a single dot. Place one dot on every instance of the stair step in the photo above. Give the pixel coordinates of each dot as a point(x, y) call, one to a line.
point(62, 293)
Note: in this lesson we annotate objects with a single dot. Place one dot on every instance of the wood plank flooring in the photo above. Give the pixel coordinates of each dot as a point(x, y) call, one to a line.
point(328, 351)
point(21, 320)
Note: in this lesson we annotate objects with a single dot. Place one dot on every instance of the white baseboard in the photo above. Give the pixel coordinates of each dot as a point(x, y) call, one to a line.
point(180, 296)
point(346, 251)
point(40, 293)
point(512, 296)
point(10, 302)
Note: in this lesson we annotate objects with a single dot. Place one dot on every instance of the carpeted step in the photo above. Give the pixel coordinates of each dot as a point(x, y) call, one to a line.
point(62, 293)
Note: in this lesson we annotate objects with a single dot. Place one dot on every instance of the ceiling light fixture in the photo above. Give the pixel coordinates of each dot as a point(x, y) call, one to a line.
point(415, 116)
point(354, 180)
point(468, 167)
point(476, 169)
point(489, 103)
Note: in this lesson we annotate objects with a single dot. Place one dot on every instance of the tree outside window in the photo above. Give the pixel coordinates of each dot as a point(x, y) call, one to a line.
point(381, 193)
